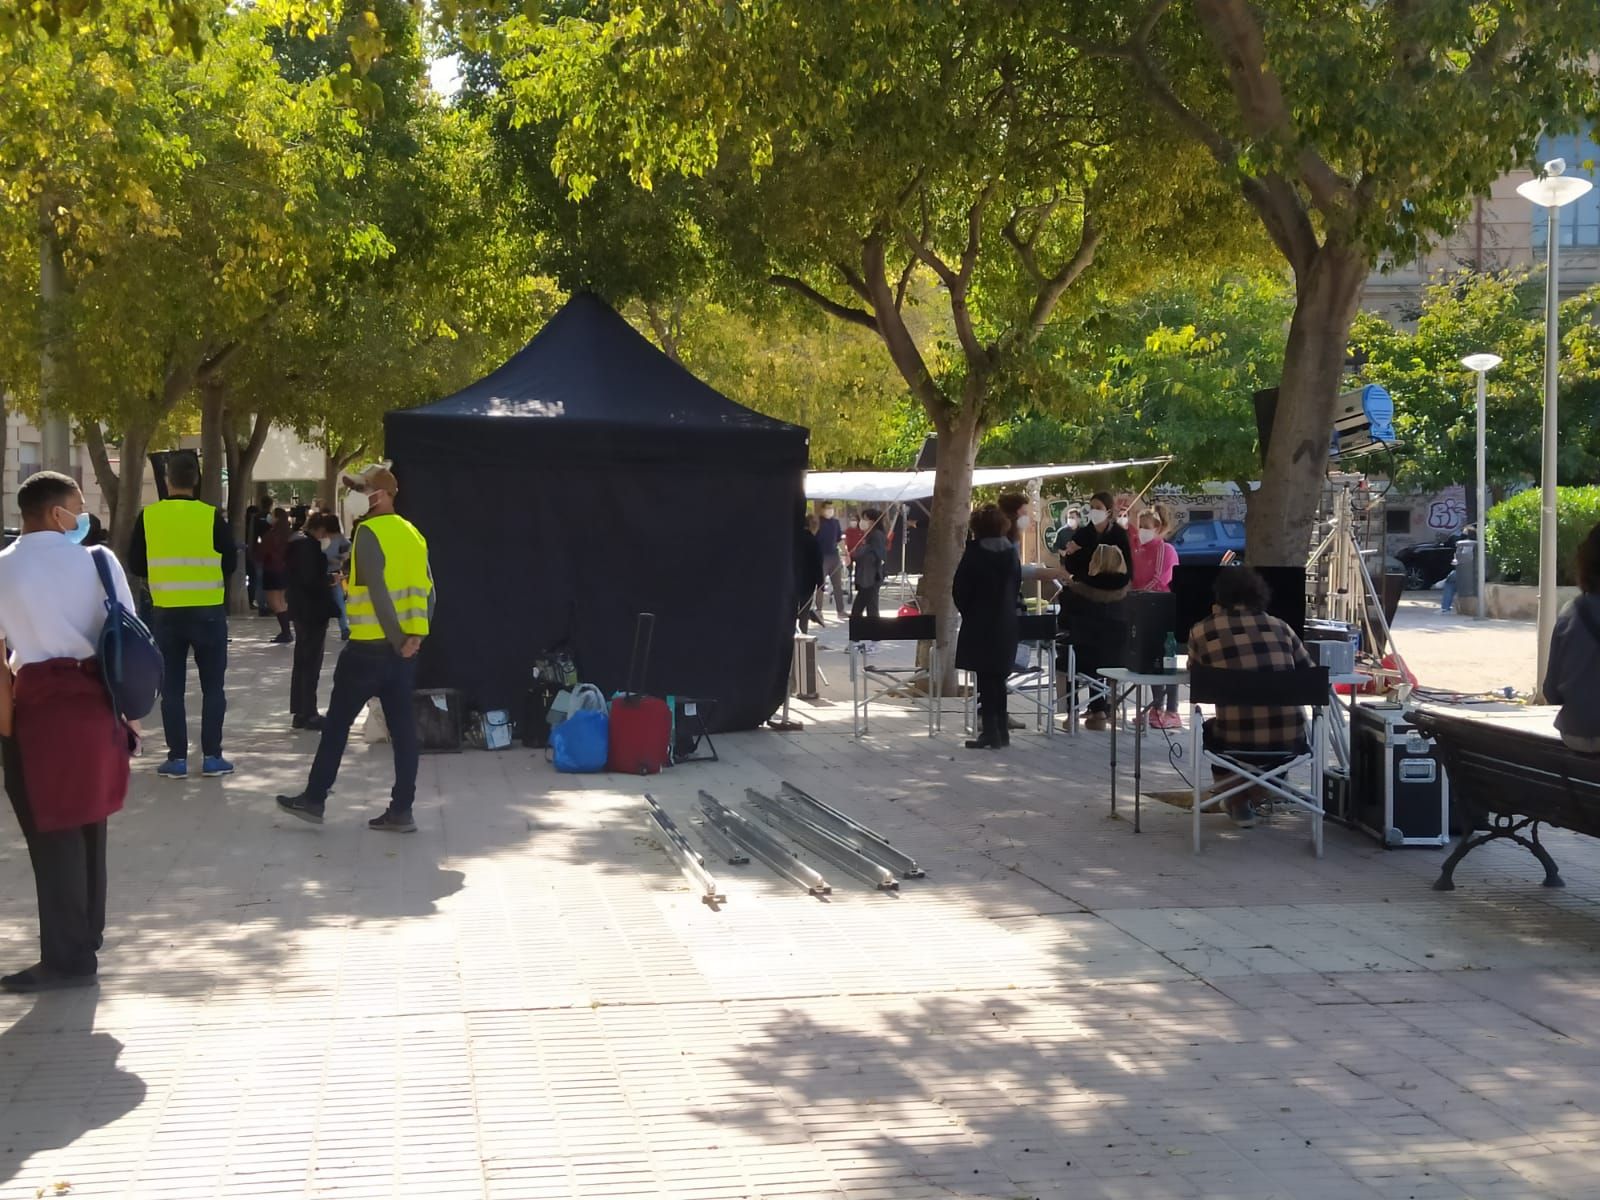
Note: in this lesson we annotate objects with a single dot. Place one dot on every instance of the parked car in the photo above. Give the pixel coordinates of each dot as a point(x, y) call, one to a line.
point(1426, 563)
point(1203, 543)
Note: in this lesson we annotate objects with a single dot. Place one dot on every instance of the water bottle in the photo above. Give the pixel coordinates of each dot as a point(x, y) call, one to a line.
point(1169, 655)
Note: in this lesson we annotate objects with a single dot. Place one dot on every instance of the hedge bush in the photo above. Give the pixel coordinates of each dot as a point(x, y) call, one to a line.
point(1512, 534)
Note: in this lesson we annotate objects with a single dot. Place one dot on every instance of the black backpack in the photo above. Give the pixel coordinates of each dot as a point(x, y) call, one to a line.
point(130, 661)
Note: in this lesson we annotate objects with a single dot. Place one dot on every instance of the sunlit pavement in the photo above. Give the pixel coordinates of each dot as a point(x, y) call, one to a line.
point(525, 1000)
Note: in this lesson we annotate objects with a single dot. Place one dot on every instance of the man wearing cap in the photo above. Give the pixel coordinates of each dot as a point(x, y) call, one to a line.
point(182, 547)
point(389, 605)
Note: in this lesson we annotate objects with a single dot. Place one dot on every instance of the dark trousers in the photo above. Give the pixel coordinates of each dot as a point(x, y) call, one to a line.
point(309, 638)
point(991, 696)
point(368, 670)
point(69, 876)
point(866, 604)
point(203, 632)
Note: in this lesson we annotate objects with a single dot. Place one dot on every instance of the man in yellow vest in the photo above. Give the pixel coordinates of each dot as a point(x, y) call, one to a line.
point(182, 548)
point(389, 605)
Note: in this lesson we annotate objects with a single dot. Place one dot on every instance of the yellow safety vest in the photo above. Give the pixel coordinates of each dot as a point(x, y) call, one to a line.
point(180, 543)
point(405, 578)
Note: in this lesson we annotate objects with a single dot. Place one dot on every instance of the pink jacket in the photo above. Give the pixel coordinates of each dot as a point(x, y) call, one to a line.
point(1152, 565)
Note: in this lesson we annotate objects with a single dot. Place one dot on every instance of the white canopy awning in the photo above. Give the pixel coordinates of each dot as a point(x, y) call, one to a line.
point(892, 487)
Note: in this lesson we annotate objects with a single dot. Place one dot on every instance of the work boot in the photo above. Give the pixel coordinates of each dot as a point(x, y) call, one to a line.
point(988, 735)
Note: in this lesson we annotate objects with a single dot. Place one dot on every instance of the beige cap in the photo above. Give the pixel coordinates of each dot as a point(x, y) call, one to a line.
point(376, 478)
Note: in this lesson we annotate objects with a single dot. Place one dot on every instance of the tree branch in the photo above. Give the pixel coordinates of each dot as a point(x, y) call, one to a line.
point(1056, 286)
point(891, 327)
point(856, 316)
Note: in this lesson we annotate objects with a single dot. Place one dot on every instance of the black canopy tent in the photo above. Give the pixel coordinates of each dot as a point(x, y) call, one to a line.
point(589, 479)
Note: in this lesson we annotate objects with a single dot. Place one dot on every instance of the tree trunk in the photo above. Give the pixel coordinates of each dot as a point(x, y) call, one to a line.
point(1327, 294)
point(334, 462)
point(123, 489)
point(241, 456)
point(213, 397)
point(54, 428)
point(947, 526)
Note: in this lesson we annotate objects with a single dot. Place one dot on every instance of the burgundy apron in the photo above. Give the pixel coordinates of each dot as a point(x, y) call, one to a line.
point(74, 749)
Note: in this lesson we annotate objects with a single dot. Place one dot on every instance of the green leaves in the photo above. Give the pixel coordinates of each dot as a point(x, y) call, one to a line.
point(1435, 396)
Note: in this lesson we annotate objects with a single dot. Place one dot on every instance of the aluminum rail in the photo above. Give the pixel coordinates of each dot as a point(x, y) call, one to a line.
point(721, 845)
point(764, 846)
point(689, 860)
point(820, 842)
point(866, 841)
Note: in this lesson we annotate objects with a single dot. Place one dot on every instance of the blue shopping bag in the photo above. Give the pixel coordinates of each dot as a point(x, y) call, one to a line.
point(581, 742)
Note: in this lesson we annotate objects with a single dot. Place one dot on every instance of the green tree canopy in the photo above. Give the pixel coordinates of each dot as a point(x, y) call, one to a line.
point(844, 149)
point(1435, 396)
point(1358, 132)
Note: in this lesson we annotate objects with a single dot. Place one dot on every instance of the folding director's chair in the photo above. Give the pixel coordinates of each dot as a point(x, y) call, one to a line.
point(1305, 687)
point(1033, 682)
point(869, 683)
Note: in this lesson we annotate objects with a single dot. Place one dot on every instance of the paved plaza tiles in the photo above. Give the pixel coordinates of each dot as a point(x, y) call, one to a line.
point(525, 1001)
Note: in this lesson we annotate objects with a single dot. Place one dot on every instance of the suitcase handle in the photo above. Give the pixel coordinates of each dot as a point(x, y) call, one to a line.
point(644, 631)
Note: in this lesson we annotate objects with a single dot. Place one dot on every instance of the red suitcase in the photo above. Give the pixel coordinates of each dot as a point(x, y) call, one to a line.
point(641, 726)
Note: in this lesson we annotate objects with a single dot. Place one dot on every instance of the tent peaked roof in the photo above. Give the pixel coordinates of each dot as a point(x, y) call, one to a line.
point(589, 364)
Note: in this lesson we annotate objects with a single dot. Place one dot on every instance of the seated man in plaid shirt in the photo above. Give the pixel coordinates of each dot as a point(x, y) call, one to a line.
point(1239, 635)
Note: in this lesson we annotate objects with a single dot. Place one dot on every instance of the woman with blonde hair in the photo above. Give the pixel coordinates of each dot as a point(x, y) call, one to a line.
point(1154, 559)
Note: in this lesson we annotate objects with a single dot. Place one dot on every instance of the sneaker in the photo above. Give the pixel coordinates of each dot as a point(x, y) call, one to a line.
point(1165, 720)
point(299, 806)
point(1241, 814)
point(390, 821)
point(174, 768)
point(215, 765)
point(1096, 722)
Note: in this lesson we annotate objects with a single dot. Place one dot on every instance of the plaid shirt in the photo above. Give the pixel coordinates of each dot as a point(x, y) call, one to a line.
point(1241, 640)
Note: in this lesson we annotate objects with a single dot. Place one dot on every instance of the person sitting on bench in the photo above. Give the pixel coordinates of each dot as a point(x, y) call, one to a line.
point(1240, 635)
point(1572, 679)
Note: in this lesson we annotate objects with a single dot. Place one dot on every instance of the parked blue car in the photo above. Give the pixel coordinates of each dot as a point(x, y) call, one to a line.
point(1203, 543)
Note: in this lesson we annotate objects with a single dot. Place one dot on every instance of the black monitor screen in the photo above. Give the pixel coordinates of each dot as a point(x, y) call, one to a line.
point(1195, 589)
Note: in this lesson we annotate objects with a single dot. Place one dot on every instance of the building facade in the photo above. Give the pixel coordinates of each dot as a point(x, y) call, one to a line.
point(1504, 232)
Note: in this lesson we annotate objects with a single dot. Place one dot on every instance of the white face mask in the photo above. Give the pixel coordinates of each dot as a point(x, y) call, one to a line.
point(1024, 521)
point(1146, 536)
point(1123, 521)
point(1098, 515)
point(864, 524)
point(1072, 522)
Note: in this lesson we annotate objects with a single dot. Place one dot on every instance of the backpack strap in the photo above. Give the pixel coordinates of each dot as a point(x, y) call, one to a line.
point(104, 569)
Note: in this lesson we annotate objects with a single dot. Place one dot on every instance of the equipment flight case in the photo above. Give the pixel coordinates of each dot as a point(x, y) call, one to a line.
point(1398, 790)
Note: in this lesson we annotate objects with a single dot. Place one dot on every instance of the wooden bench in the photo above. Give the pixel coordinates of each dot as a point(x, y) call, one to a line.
point(1508, 777)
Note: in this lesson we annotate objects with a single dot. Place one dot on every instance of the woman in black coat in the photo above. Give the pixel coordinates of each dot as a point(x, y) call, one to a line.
point(1099, 529)
point(985, 591)
point(1094, 610)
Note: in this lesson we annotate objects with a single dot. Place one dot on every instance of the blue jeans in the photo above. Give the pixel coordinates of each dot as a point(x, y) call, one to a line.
point(368, 670)
point(204, 632)
point(1447, 601)
point(338, 602)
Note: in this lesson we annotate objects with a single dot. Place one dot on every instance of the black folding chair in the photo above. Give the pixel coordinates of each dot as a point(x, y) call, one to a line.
point(1304, 687)
point(869, 683)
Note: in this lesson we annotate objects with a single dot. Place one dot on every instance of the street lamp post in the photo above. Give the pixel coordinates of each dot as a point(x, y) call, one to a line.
point(1552, 190)
point(1481, 365)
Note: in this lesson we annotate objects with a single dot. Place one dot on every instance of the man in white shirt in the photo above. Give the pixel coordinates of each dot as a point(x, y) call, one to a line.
point(64, 749)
